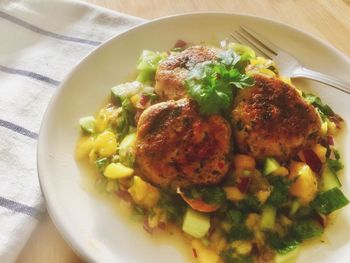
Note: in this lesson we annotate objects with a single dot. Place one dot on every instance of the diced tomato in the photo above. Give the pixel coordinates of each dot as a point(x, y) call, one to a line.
point(198, 204)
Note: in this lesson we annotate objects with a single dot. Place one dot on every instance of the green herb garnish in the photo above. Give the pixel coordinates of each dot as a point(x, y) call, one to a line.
point(210, 195)
point(213, 84)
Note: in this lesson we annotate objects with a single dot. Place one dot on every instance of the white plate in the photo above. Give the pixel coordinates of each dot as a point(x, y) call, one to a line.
point(88, 223)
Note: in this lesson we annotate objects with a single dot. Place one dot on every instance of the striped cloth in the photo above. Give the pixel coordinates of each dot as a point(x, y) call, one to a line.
point(41, 42)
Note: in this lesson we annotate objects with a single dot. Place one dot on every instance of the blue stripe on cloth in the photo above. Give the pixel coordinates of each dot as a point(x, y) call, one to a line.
point(29, 74)
point(38, 30)
point(18, 129)
point(19, 208)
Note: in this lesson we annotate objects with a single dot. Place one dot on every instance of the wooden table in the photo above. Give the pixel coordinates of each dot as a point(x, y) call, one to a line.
point(327, 19)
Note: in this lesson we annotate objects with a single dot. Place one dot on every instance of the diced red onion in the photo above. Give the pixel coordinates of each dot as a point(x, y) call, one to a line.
point(243, 183)
point(312, 160)
point(330, 140)
point(162, 225)
point(321, 219)
point(180, 44)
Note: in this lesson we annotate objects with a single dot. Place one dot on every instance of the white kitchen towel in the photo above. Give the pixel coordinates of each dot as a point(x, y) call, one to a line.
point(41, 41)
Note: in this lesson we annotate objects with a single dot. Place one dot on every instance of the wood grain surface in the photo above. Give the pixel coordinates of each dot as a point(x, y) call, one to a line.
point(327, 19)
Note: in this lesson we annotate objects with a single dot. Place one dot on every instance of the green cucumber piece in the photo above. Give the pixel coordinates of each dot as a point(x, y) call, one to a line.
point(127, 150)
point(88, 124)
point(270, 165)
point(329, 201)
point(195, 223)
point(126, 90)
point(329, 179)
point(268, 218)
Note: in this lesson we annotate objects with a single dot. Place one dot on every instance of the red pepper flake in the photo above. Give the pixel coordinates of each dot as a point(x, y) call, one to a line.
point(194, 252)
point(221, 165)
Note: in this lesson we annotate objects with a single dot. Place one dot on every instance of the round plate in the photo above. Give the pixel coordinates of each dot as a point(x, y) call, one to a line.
point(88, 223)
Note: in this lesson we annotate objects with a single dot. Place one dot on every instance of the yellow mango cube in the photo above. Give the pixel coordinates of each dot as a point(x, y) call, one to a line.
point(233, 193)
point(106, 144)
point(143, 193)
point(305, 185)
point(118, 171)
point(84, 146)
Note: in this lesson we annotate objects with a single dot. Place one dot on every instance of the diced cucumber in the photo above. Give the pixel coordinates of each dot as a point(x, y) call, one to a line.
point(117, 171)
point(294, 208)
point(329, 201)
point(127, 150)
point(126, 90)
point(147, 65)
point(329, 179)
point(268, 218)
point(88, 124)
point(270, 165)
point(195, 223)
point(289, 257)
point(101, 163)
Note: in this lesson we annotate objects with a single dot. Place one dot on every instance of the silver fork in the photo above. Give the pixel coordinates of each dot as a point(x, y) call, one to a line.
point(288, 65)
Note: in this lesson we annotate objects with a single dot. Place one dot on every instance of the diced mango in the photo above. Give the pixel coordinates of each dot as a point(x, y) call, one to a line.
point(262, 195)
point(242, 247)
point(84, 146)
point(204, 254)
point(320, 151)
point(118, 171)
point(305, 184)
point(233, 193)
point(106, 144)
point(243, 162)
point(281, 171)
point(144, 194)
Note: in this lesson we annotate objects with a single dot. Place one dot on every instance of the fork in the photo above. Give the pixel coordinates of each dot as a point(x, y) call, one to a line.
point(288, 65)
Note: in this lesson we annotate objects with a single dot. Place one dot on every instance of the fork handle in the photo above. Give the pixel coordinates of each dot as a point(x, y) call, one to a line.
point(322, 78)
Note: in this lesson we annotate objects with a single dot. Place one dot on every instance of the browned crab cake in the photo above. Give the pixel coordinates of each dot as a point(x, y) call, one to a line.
point(175, 146)
point(172, 72)
point(271, 119)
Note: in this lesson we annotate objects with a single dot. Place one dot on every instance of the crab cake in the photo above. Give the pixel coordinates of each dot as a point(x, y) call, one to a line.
point(271, 119)
point(172, 72)
point(175, 146)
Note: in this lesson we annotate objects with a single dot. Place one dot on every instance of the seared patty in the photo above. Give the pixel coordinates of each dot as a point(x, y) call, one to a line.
point(175, 146)
point(172, 72)
point(271, 119)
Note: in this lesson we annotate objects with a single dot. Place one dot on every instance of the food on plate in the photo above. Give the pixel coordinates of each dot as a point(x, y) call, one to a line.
point(172, 71)
point(214, 142)
point(175, 146)
point(272, 119)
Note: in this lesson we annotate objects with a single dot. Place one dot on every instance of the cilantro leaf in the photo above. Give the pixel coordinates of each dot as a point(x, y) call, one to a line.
point(317, 102)
point(210, 195)
point(213, 84)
